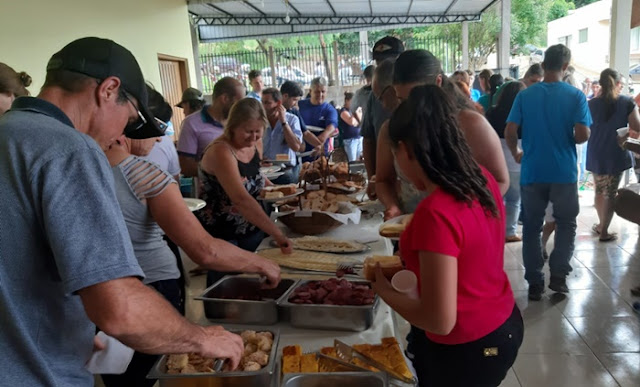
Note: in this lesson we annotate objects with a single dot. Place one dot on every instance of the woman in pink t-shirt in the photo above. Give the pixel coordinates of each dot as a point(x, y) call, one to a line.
point(466, 327)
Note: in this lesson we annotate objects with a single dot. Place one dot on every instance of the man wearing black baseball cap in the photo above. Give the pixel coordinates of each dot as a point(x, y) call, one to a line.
point(66, 261)
point(387, 48)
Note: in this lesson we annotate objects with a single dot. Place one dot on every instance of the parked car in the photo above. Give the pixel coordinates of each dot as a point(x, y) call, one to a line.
point(634, 72)
point(287, 73)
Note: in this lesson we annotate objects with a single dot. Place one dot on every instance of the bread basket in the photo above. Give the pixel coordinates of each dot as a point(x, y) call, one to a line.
point(317, 223)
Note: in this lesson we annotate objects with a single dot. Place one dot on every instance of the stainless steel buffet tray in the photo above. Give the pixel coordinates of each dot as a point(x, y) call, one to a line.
point(330, 317)
point(351, 379)
point(222, 301)
point(262, 378)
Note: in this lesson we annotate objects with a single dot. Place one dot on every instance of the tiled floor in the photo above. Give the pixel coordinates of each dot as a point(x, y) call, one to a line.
point(591, 336)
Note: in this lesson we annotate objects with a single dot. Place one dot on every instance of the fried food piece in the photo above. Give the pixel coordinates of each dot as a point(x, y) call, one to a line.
point(309, 363)
point(251, 366)
point(248, 336)
point(292, 350)
point(250, 348)
point(259, 357)
point(264, 343)
point(177, 361)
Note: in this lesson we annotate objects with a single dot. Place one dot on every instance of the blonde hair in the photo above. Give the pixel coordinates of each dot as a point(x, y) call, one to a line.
point(242, 111)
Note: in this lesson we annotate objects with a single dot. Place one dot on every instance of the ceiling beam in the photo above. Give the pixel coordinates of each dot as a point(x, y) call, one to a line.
point(332, 9)
point(453, 2)
point(370, 8)
point(408, 9)
point(248, 4)
point(293, 8)
point(218, 9)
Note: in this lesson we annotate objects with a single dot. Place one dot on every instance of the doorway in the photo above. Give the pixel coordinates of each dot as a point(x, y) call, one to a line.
point(174, 79)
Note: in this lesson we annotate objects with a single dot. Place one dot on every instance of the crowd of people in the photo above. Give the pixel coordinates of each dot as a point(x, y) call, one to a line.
point(94, 215)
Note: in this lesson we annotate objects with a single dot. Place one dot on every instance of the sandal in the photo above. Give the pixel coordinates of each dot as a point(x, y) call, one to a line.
point(594, 228)
point(608, 238)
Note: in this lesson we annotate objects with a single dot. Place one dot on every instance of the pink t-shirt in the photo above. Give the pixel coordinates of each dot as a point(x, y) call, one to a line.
point(441, 224)
point(198, 130)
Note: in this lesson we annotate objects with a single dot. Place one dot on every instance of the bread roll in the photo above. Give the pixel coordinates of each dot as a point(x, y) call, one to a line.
point(390, 265)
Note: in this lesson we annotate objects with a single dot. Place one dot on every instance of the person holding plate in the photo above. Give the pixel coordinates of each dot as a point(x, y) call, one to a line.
point(231, 179)
point(466, 327)
point(283, 135)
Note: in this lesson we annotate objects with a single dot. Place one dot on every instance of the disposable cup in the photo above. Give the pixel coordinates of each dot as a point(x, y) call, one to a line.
point(405, 281)
point(622, 131)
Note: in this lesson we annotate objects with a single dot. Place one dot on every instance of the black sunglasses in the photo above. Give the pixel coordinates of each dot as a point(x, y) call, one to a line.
point(141, 121)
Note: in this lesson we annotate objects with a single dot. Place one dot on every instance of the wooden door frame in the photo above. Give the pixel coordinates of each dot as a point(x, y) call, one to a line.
point(183, 64)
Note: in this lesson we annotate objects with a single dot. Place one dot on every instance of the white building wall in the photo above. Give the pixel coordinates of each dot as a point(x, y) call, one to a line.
point(592, 56)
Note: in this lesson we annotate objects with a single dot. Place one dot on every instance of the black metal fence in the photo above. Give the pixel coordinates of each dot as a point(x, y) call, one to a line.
point(341, 64)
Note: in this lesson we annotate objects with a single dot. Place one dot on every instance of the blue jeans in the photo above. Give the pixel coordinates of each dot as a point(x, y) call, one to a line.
point(566, 207)
point(290, 176)
point(353, 147)
point(512, 203)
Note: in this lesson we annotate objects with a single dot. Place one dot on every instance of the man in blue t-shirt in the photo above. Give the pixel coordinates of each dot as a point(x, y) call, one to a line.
point(319, 114)
point(66, 260)
point(554, 117)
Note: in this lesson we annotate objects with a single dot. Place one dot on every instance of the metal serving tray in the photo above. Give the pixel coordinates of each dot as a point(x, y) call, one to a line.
point(260, 378)
point(330, 317)
point(220, 305)
point(351, 379)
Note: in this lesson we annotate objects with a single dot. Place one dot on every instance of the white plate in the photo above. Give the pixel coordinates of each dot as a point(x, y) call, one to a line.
point(299, 191)
point(279, 163)
point(273, 175)
point(397, 219)
point(195, 204)
point(271, 169)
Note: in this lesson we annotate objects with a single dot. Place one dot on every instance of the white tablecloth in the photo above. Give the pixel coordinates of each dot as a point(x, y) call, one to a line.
point(385, 324)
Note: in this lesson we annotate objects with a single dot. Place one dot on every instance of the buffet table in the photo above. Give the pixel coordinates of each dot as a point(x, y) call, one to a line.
point(385, 323)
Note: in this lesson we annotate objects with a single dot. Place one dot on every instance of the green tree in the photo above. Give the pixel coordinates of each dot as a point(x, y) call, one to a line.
point(582, 3)
point(560, 8)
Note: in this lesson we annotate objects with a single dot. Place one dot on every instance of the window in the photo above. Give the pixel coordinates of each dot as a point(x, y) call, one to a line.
point(566, 40)
point(583, 35)
point(635, 39)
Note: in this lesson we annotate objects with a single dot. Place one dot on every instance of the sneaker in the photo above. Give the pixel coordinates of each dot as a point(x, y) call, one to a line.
point(558, 284)
point(535, 291)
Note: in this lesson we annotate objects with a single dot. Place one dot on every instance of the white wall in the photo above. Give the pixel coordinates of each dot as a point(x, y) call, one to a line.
point(32, 30)
point(591, 57)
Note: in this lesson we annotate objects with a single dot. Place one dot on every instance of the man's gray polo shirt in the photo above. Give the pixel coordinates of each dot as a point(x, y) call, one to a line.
point(61, 230)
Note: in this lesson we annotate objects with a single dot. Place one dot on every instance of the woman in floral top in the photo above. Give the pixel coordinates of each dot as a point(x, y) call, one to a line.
point(231, 179)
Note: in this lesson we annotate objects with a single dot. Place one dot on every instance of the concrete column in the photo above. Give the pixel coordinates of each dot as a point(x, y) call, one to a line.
point(465, 45)
point(196, 54)
point(504, 44)
point(364, 46)
point(620, 45)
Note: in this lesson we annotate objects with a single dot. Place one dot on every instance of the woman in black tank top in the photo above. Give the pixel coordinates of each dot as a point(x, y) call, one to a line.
point(231, 182)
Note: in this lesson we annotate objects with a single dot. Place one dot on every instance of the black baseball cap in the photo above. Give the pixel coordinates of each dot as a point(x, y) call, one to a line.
point(103, 58)
point(190, 94)
point(387, 47)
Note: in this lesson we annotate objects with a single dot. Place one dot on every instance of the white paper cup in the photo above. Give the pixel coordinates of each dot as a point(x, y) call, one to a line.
point(622, 131)
point(406, 282)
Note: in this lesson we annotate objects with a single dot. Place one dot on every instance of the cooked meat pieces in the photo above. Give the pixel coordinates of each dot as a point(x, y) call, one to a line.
point(259, 357)
point(251, 366)
point(257, 346)
point(333, 292)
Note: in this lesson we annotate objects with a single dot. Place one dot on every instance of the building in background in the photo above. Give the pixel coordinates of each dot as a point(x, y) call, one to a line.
point(587, 32)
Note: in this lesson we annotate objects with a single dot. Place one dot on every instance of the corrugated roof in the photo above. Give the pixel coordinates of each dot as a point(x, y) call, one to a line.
point(219, 20)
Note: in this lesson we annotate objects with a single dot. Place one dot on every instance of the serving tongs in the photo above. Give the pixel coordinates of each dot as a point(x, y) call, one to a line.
point(350, 366)
point(218, 364)
point(348, 353)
